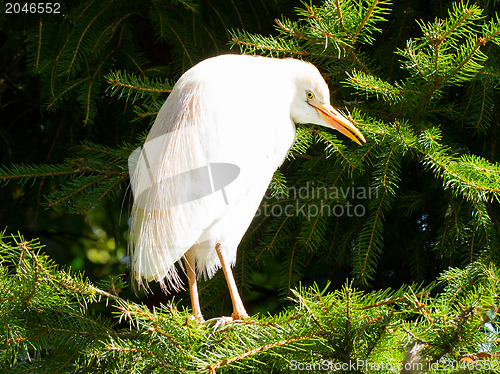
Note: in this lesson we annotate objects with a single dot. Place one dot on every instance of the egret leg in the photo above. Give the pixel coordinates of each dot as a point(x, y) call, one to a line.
point(239, 311)
point(193, 285)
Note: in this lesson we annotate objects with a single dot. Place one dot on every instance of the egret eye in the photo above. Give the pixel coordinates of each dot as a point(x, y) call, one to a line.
point(309, 95)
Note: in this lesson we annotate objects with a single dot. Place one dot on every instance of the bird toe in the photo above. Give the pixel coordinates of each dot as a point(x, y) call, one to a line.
point(218, 322)
point(197, 318)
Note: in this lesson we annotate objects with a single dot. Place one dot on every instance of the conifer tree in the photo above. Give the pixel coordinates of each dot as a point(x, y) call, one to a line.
point(49, 324)
point(427, 125)
point(418, 202)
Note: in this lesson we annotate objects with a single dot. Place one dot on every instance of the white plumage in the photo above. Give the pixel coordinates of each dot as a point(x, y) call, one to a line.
point(227, 110)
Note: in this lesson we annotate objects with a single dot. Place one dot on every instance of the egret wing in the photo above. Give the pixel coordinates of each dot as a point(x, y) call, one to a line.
point(175, 195)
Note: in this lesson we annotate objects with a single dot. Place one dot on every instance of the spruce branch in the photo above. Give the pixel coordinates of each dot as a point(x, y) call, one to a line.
point(134, 87)
point(213, 367)
point(470, 176)
point(75, 53)
point(27, 173)
point(339, 12)
point(332, 145)
point(450, 52)
point(431, 161)
point(341, 326)
point(376, 12)
point(93, 175)
point(375, 87)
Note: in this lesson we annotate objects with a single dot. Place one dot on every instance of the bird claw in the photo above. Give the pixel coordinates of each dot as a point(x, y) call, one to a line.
point(218, 322)
point(193, 317)
point(221, 321)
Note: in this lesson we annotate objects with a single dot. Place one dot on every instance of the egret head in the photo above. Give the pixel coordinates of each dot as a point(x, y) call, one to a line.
point(311, 104)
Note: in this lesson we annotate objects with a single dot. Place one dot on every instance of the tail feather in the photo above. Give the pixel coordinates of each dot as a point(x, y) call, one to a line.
point(152, 257)
point(165, 220)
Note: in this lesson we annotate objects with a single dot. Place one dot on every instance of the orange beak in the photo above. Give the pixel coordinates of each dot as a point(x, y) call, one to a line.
point(339, 122)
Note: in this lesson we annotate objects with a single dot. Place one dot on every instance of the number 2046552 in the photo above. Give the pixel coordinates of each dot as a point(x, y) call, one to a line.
point(33, 8)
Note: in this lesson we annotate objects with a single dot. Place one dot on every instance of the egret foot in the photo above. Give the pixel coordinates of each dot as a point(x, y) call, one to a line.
point(239, 311)
point(218, 321)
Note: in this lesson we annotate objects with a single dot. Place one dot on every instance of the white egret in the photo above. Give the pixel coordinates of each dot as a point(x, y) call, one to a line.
point(225, 128)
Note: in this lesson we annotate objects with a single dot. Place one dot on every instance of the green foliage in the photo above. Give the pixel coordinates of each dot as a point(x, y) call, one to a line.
point(87, 64)
point(126, 85)
point(420, 81)
point(97, 173)
point(446, 75)
point(48, 325)
point(73, 54)
point(417, 137)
